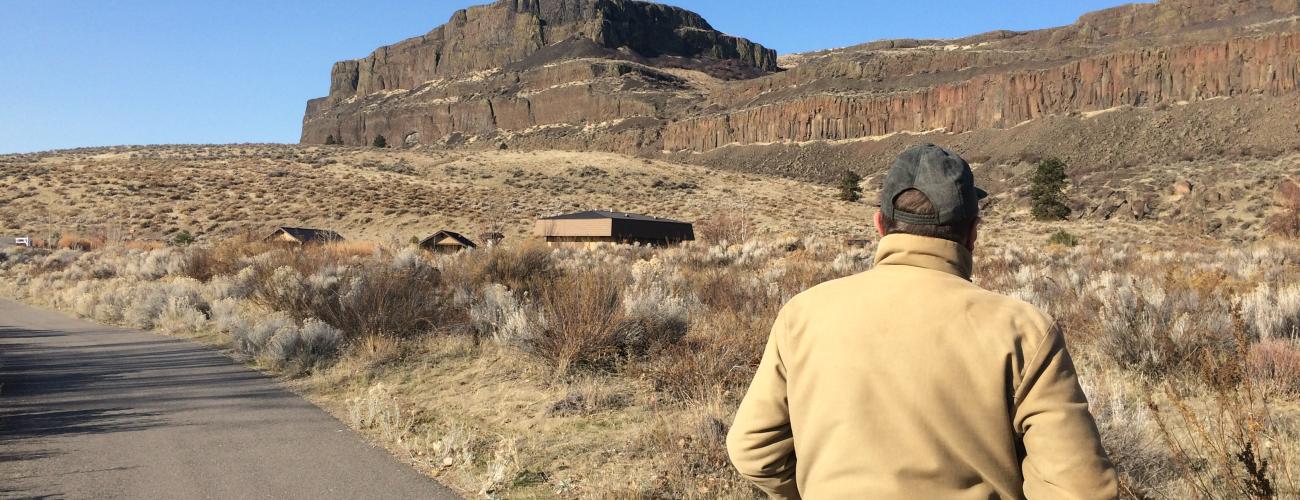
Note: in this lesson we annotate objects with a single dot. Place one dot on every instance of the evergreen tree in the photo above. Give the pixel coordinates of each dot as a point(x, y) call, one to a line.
point(850, 190)
point(183, 238)
point(330, 141)
point(1047, 191)
point(380, 142)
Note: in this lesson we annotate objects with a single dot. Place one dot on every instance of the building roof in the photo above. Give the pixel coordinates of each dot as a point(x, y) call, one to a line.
point(305, 234)
point(442, 235)
point(604, 214)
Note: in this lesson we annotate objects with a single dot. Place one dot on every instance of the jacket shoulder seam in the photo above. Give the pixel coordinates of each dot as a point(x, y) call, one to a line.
point(1043, 342)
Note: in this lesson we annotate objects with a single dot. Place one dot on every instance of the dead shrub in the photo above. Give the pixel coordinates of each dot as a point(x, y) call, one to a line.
point(375, 297)
point(80, 242)
point(524, 268)
point(1287, 222)
point(724, 226)
point(1276, 363)
point(225, 258)
point(1229, 447)
point(719, 359)
point(583, 323)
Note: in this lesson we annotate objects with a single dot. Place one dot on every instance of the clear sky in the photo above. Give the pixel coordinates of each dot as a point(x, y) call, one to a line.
point(107, 72)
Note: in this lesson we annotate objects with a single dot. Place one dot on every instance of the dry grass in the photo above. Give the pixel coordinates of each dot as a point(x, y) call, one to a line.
point(523, 371)
point(223, 191)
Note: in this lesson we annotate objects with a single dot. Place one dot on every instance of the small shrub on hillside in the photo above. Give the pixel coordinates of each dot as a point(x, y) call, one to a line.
point(183, 238)
point(656, 316)
point(181, 315)
point(1063, 238)
point(308, 346)
point(251, 337)
point(330, 140)
point(529, 267)
point(1047, 191)
point(495, 312)
point(583, 324)
point(380, 142)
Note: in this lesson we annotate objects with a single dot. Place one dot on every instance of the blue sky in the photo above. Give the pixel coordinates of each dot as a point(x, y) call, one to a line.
point(107, 72)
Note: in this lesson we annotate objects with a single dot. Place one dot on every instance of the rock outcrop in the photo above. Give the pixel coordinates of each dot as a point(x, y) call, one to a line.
point(643, 78)
point(1269, 65)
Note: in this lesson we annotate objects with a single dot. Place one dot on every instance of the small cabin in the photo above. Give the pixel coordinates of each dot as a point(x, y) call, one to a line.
point(303, 236)
point(598, 226)
point(447, 242)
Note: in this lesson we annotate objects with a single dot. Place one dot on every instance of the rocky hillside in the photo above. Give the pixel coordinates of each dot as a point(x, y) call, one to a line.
point(1177, 79)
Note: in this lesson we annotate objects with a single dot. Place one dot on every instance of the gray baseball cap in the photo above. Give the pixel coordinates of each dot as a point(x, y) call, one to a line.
point(942, 176)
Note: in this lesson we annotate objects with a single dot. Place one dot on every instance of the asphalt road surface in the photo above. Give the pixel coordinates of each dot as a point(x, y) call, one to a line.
point(88, 411)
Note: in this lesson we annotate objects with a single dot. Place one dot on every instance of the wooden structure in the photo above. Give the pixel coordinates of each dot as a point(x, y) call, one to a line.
point(303, 236)
point(447, 242)
point(597, 226)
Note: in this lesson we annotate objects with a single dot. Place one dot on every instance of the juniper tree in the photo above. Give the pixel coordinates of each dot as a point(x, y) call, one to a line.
point(850, 190)
point(380, 142)
point(1047, 191)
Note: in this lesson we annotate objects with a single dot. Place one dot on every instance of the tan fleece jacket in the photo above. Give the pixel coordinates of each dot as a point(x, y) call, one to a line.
point(908, 381)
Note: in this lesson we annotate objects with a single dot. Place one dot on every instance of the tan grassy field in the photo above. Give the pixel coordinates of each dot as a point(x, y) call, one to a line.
point(380, 195)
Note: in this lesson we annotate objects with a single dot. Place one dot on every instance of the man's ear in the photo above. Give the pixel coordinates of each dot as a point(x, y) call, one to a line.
point(880, 223)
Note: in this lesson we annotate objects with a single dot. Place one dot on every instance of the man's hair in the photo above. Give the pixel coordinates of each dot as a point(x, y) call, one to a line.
point(916, 202)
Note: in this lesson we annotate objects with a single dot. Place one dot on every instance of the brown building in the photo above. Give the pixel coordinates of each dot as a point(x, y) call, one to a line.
point(583, 228)
point(446, 242)
point(303, 236)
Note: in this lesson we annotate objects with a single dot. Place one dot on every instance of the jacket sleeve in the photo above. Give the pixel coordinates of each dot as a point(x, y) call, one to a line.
point(760, 442)
point(1064, 457)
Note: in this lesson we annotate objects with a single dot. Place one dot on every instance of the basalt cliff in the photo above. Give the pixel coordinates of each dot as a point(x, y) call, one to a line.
point(1176, 79)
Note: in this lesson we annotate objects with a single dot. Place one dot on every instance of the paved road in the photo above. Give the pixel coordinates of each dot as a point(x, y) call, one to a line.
point(88, 411)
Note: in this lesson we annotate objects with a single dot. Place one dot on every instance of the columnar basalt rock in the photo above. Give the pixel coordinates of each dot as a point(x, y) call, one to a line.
point(523, 37)
point(645, 78)
point(1269, 65)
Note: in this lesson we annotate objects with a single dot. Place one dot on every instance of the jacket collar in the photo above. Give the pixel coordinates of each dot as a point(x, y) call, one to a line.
point(927, 253)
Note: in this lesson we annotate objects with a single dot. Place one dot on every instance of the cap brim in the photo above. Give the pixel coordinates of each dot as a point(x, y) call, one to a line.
point(981, 194)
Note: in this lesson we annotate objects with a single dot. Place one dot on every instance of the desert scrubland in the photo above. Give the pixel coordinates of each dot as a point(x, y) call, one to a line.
point(524, 371)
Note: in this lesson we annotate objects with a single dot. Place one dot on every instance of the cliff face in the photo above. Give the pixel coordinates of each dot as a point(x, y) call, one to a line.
point(1269, 65)
point(643, 78)
point(498, 35)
